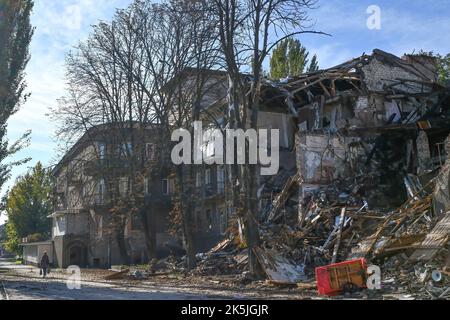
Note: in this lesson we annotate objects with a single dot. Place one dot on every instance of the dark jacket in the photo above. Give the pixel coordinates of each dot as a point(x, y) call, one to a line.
point(45, 261)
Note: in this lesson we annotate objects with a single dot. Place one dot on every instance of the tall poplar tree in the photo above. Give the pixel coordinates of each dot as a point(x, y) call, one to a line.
point(15, 36)
point(290, 58)
point(314, 64)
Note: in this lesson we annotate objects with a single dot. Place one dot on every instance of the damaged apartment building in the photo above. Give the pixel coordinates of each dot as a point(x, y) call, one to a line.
point(370, 131)
point(372, 127)
point(371, 176)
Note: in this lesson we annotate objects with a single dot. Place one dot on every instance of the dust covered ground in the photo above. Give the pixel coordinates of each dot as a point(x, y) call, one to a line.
point(24, 283)
point(19, 283)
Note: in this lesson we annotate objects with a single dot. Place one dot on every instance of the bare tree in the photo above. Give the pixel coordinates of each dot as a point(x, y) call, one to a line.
point(249, 30)
point(190, 51)
point(127, 75)
point(103, 94)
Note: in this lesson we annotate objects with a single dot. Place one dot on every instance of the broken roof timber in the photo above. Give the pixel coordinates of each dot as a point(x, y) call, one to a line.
point(353, 71)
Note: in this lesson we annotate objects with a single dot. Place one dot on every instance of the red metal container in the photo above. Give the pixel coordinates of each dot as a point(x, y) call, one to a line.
point(335, 278)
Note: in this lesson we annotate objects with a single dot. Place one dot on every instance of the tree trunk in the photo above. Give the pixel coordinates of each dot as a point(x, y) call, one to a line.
point(252, 178)
point(252, 228)
point(189, 238)
point(149, 232)
point(187, 214)
point(120, 237)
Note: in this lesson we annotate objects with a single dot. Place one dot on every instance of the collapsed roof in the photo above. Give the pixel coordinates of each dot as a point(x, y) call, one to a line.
point(411, 82)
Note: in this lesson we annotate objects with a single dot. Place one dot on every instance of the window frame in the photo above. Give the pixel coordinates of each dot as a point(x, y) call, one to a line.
point(101, 191)
point(220, 180)
point(101, 150)
point(165, 191)
point(208, 177)
point(198, 179)
point(153, 154)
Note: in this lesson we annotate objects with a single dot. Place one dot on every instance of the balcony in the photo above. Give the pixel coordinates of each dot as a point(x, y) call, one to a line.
point(116, 165)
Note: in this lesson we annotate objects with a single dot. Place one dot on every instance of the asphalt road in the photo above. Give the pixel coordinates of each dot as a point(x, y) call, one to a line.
point(26, 285)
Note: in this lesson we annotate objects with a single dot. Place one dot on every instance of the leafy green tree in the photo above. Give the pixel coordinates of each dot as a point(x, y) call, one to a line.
point(27, 206)
point(15, 36)
point(290, 58)
point(314, 64)
point(12, 243)
point(444, 68)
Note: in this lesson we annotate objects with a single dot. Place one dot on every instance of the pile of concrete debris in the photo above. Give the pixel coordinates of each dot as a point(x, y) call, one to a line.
point(226, 258)
point(410, 243)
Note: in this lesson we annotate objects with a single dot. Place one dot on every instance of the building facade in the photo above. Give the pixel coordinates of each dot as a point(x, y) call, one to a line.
point(95, 223)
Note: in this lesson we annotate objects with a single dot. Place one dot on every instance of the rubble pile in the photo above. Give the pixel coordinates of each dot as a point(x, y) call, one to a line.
point(224, 259)
point(170, 264)
point(430, 280)
point(408, 243)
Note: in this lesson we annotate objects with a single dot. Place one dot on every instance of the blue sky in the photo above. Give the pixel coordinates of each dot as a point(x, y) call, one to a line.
point(405, 26)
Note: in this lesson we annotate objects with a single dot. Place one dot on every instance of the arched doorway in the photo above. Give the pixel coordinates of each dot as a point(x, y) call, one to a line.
point(77, 254)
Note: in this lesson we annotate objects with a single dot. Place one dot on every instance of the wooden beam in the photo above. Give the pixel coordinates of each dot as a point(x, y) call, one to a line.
point(339, 234)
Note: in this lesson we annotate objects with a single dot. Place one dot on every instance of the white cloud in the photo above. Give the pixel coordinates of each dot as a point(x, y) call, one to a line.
point(72, 17)
point(407, 31)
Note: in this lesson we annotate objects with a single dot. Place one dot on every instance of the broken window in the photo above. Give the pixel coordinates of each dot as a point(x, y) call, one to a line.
point(220, 180)
point(125, 150)
point(208, 149)
point(207, 177)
